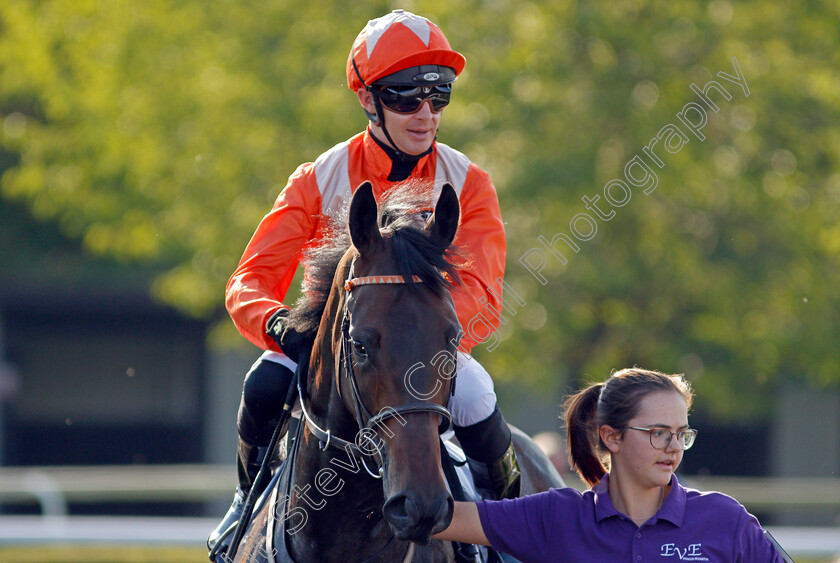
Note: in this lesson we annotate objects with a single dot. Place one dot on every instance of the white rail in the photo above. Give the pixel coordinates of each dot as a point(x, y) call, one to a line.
point(53, 487)
point(200, 482)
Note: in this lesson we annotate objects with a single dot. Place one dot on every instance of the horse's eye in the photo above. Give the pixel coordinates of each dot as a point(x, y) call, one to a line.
point(359, 349)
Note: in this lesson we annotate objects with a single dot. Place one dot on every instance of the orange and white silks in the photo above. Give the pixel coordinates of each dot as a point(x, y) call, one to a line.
point(317, 189)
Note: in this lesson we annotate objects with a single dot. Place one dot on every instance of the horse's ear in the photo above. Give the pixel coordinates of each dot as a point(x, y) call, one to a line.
point(364, 231)
point(444, 222)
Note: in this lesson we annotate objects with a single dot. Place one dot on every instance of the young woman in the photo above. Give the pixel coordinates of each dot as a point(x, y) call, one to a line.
point(636, 421)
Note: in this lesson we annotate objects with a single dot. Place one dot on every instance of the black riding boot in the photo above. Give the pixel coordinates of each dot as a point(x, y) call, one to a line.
point(263, 393)
point(501, 475)
point(248, 461)
point(492, 459)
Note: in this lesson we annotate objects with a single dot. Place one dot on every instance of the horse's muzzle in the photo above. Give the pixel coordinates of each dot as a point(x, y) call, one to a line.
point(415, 518)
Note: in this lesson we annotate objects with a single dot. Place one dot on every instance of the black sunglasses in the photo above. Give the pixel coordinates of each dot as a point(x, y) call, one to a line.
point(408, 99)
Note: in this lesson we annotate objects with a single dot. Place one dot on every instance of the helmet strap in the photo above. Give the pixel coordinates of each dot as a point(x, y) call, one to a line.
point(373, 117)
point(380, 120)
point(403, 157)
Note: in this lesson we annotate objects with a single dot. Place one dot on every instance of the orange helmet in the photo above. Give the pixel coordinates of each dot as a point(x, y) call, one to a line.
point(395, 42)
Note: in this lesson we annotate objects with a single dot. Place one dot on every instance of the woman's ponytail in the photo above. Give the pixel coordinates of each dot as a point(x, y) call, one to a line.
point(581, 410)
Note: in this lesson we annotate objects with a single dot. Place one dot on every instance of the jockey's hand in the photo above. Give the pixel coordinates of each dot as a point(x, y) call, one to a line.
point(291, 342)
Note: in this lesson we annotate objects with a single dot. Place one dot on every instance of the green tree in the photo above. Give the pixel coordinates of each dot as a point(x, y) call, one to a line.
point(160, 132)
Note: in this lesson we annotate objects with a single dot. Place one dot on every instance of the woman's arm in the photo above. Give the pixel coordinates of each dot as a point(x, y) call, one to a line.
point(465, 526)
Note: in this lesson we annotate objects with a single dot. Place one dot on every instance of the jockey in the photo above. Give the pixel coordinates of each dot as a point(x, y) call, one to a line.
point(397, 64)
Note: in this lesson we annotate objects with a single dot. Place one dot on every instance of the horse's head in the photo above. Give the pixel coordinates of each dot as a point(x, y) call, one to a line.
point(398, 359)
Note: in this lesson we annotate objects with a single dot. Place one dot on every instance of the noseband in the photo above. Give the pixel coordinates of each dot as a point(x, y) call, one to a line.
point(366, 421)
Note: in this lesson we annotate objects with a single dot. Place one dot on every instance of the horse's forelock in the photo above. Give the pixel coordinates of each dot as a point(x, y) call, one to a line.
point(419, 255)
point(410, 201)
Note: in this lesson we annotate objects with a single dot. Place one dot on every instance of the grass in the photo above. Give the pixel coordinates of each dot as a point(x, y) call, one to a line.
point(101, 554)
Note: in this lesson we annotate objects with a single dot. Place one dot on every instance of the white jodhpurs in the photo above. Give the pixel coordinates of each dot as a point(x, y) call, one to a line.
point(474, 398)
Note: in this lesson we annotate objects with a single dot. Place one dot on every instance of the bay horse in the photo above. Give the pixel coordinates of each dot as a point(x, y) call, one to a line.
point(363, 481)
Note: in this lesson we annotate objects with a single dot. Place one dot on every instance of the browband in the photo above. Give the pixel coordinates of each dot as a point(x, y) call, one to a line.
point(376, 280)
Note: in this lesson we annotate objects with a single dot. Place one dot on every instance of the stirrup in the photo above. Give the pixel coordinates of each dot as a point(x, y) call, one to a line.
point(219, 539)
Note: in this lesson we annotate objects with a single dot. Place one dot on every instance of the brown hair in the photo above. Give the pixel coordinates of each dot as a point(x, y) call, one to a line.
point(613, 402)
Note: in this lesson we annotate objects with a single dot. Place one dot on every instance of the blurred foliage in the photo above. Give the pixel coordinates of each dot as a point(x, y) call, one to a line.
point(161, 132)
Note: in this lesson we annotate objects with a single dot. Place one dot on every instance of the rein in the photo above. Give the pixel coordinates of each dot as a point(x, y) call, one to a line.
point(365, 420)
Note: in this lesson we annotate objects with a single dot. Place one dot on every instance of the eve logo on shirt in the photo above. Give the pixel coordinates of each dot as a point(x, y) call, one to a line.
point(691, 552)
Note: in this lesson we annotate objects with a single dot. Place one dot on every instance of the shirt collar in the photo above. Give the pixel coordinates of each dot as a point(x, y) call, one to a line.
point(604, 507)
point(672, 510)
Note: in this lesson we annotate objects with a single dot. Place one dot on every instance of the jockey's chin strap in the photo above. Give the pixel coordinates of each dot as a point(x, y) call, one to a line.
point(366, 421)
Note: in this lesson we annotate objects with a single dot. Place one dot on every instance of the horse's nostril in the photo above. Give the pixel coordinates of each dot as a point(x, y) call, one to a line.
point(448, 507)
point(444, 514)
point(395, 509)
point(396, 513)
point(411, 509)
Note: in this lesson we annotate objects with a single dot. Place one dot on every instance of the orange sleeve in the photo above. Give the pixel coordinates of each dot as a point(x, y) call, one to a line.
point(481, 238)
point(259, 284)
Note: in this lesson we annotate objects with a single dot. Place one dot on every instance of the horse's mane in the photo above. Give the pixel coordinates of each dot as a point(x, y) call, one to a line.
point(401, 217)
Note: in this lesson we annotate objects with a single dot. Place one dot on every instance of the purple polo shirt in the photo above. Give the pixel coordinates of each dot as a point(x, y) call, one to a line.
point(570, 526)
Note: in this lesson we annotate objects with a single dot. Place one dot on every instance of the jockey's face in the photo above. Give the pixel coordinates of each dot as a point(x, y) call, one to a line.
point(413, 133)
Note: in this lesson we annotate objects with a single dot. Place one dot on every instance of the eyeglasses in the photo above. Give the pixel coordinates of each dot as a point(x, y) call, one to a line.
point(408, 99)
point(661, 437)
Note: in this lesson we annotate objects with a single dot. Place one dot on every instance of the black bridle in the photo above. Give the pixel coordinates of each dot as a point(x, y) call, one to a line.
point(366, 421)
